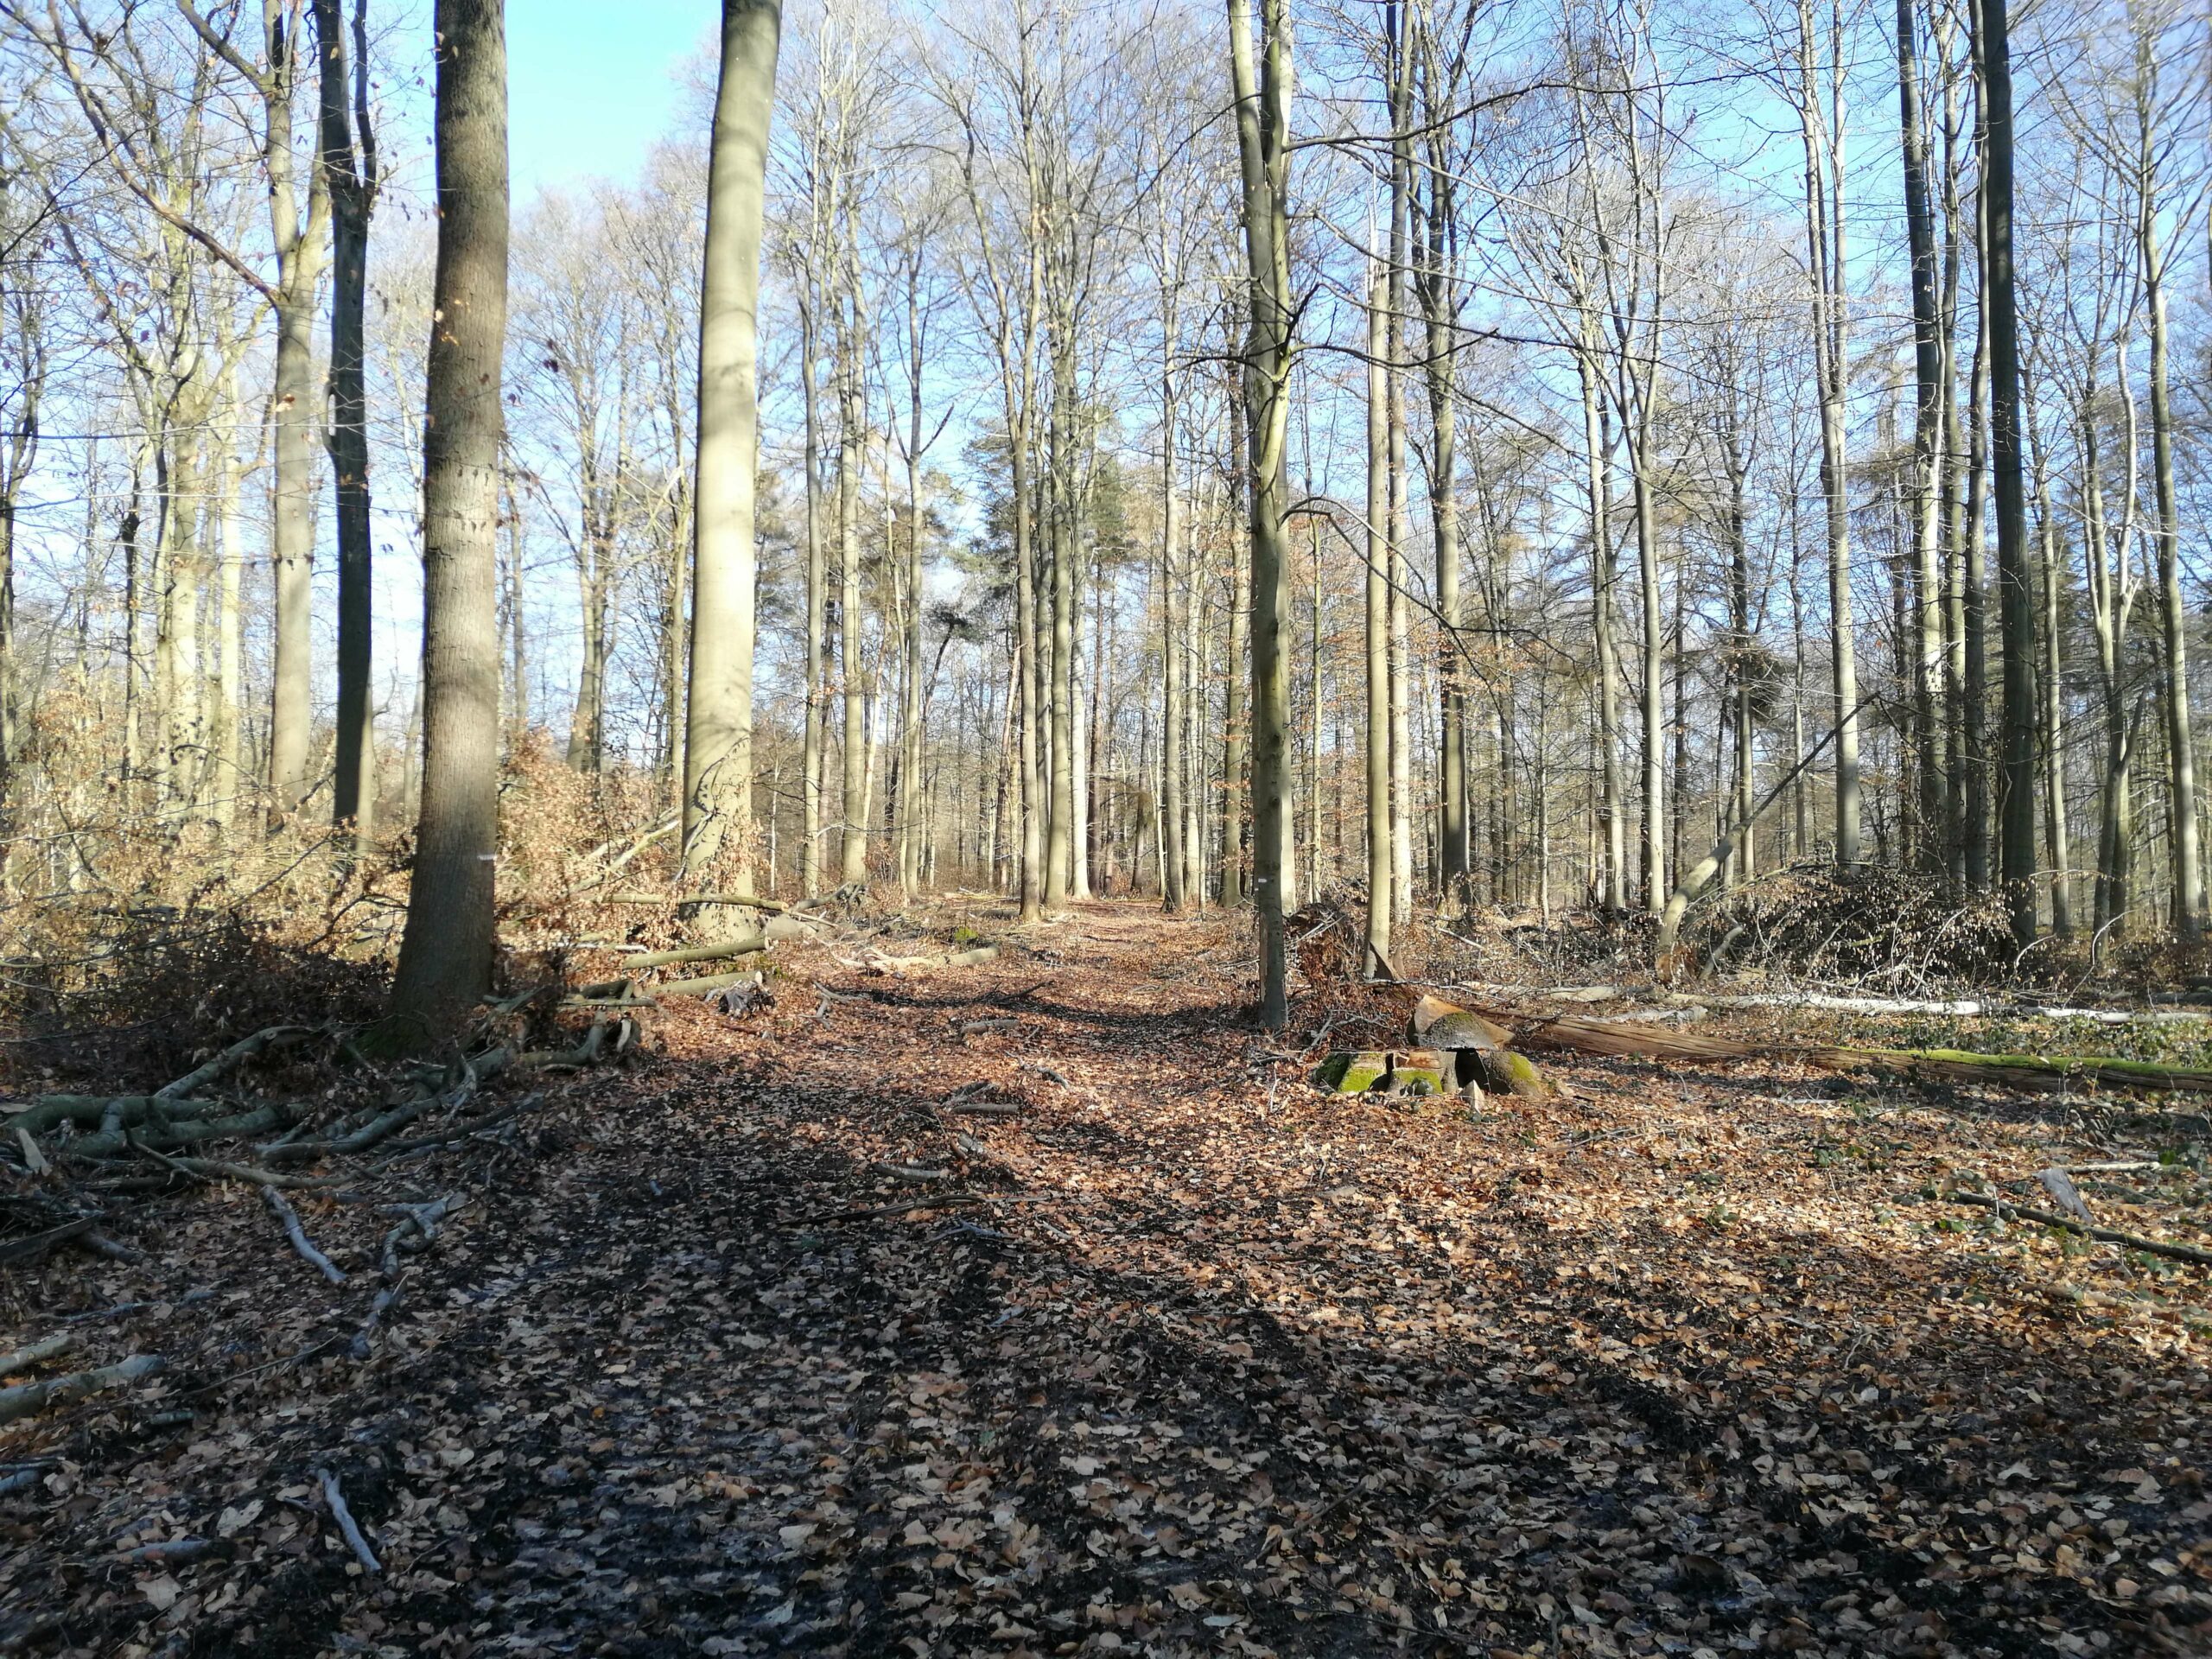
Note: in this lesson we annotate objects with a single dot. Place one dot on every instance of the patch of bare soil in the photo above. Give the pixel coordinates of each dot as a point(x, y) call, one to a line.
point(1043, 1308)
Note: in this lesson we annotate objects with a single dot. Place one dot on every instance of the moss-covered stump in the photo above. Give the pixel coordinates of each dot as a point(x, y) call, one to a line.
point(1365, 1072)
point(1501, 1071)
point(1353, 1071)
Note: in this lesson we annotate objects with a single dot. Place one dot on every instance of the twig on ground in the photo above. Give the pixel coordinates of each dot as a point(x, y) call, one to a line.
point(336, 1498)
point(2109, 1234)
point(281, 1207)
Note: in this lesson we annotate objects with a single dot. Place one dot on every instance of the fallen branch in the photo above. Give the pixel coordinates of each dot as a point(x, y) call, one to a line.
point(981, 954)
point(107, 1143)
point(987, 1109)
point(944, 1202)
point(220, 1170)
point(32, 1353)
point(336, 1498)
point(2202, 1258)
point(744, 945)
point(236, 1055)
point(281, 1207)
point(398, 1149)
point(704, 986)
point(50, 1111)
point(487, 1065)
point(29, 1398)
point(37, 1244)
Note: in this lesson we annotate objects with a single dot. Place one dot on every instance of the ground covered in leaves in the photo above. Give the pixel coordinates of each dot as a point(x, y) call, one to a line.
point(1043, 1308)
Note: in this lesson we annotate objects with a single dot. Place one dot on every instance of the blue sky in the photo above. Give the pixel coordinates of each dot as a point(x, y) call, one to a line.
point(591, 86)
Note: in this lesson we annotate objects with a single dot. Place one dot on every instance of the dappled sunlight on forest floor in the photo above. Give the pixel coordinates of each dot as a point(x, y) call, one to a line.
point(839, 1329)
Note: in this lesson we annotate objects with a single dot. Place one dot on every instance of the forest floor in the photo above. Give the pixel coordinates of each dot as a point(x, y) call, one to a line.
point(1181, 1357)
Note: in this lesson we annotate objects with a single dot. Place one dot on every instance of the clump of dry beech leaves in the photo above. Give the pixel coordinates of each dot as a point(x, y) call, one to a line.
point(1044, 1307)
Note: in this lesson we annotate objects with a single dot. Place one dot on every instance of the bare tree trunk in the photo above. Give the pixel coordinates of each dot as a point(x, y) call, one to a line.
point(2181, 778)
point(1598, 444)
point(1824, 176)
point(1262, 134)
point(1382, 902)
point(445, 956)
point(2054, 677)
point(818, 584)
point(229, 644)
point(1927, 435)
point(718, 724)
point(1174, 642)
point(852, 435)
point(347, 160)
point(1236, 755)
point(517, 637)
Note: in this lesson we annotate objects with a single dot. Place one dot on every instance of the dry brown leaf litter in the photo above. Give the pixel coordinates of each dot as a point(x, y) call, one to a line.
point(1186, 1358)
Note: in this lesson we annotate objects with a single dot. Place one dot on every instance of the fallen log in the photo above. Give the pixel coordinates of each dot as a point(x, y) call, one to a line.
point(231, 1058)
point(705, 985)
point(32, 1353)
point(50, 1111)
point(2109, 1234)
point(29, 1398)
point(743, 945)
point(1623, 1039)
point(722, 900)
point(107, 1143)
point(981, 954)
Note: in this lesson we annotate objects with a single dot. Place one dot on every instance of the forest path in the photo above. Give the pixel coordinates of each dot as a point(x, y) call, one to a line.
point(1183, 1356)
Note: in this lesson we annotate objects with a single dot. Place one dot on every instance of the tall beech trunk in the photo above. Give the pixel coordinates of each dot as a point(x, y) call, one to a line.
point(718, 721)
point(1927, 435)
point(1381, 901)
point(2173, 622)
point(818, 619)
point(1174, 643)
point(1236, 753)
point(1262, 136)
point(1824, 221)
point(2050, 578)
point(1597, 444)
point(2016, 823)
point(445, 955)
point(348, 159)
point(228, 717)
point(851, 434)
point(295, 408)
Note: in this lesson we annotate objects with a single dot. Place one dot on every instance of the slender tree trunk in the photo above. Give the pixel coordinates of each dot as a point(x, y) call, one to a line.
point(1174, 625)
point(1927, 435)
point(1824, 173)
point(1263, 123)
point(349, 178)
point(230, 643)
point(1597, 443)
point(517, 632)
point(445, 955)
point(2181, 778)
point(817, 605)
point(2050, 576)
point(851, 436)
point(1236, 755)
point(1381, 903)
point(718, 723)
